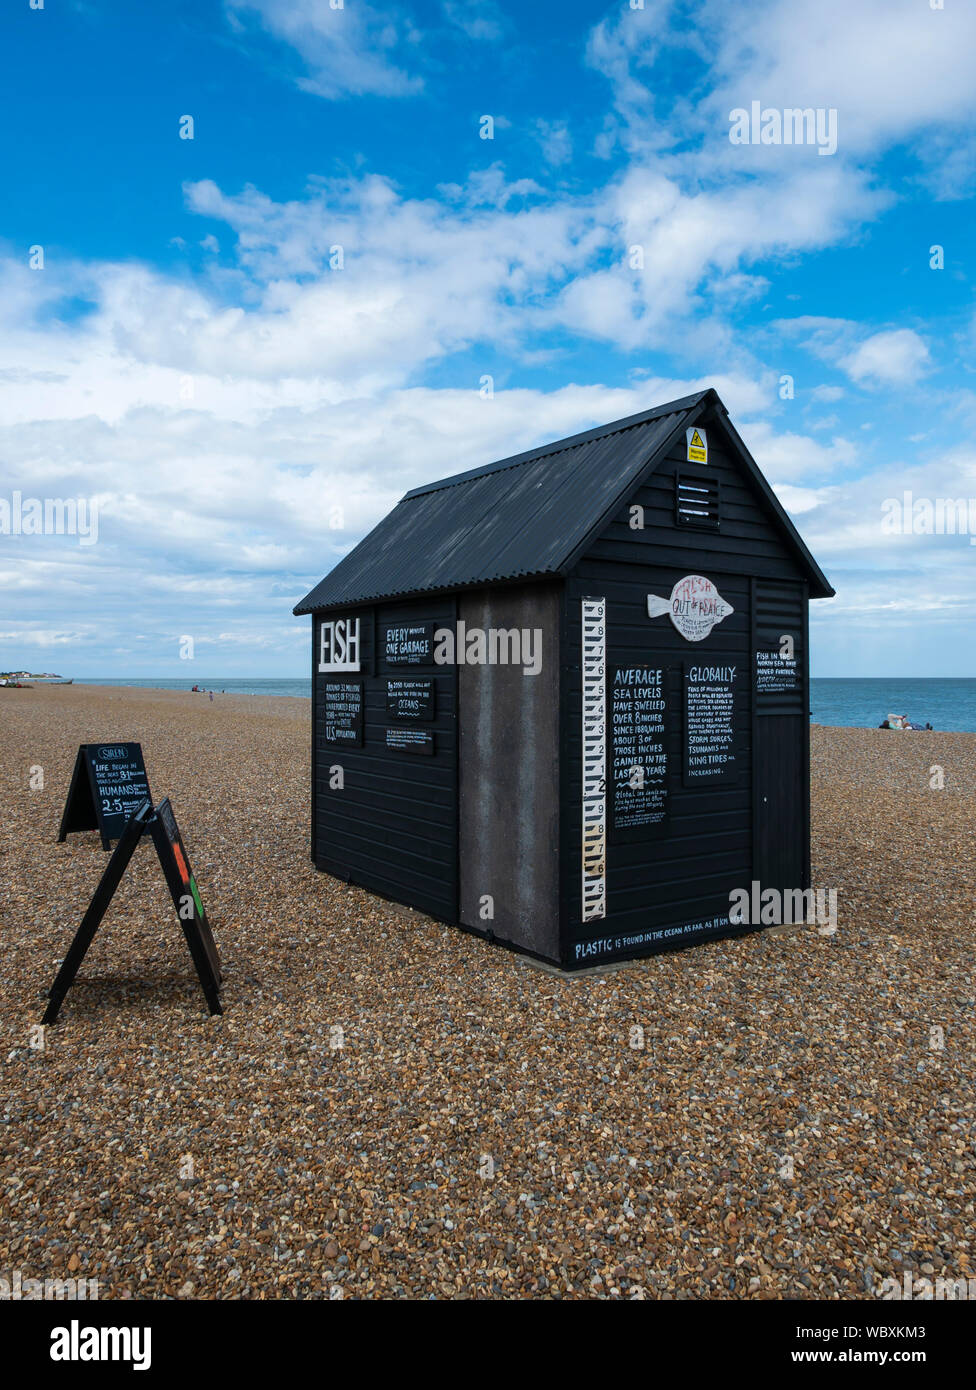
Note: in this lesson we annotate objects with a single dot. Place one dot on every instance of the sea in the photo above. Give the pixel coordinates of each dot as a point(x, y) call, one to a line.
point(847, 702)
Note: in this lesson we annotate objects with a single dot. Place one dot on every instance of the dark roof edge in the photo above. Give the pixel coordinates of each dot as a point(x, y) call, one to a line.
point(818, 580)
point(558, 446)
point(303, 609)
point(819, 584)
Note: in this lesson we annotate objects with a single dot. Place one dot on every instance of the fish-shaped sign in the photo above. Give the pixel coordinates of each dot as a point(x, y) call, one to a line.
point(695, 606)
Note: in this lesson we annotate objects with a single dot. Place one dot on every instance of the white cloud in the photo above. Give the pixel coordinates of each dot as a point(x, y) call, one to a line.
point(236, 500)
point(896, 357)
point(695, 245)
point(891, 68)
point(36, 636)
point(482, 20)
point(555, 141)
point(625, 49)
point(789, 458)
point(223, 422)
point(419, 278)
point(355, 50)
point(894, 70)
point(850, 527)
point(888, 357)
point(798, 500)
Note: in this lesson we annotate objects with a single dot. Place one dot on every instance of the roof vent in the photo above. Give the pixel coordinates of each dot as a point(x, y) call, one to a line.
point(696, 500)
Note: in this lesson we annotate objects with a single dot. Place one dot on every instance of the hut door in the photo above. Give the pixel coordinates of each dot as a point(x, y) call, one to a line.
point(781, 778)
point(780, 821)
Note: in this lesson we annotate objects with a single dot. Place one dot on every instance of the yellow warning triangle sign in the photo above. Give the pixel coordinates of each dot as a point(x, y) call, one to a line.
point(697, 445)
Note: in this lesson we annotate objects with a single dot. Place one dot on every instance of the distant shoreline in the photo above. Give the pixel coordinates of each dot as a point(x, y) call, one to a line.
point(836, 702)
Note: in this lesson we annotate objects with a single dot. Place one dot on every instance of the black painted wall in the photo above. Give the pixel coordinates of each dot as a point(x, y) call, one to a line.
point(683, 870)
point(393, 826)
point(676, 877)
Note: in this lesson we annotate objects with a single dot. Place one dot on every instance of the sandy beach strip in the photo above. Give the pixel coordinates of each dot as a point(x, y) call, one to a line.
point(795, 1119)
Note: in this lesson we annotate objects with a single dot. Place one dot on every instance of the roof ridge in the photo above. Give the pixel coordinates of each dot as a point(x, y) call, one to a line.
point(561, 446)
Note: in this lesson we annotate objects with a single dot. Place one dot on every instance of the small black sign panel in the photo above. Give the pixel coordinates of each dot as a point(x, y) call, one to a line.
point(409, 697)
point(709, 722)
point(638, 757)
point(410, 740)
point(108, 785)
point(343, 712)
point(776, 674)
point(410, 645)
point(186, 899)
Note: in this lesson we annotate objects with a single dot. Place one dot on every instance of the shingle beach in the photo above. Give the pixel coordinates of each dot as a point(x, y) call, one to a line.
point(390, 1108)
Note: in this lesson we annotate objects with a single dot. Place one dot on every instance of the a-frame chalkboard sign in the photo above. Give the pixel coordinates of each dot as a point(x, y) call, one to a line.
point(107, 786)
point(162, 827)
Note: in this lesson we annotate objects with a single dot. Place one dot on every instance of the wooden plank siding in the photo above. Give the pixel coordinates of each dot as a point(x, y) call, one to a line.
point(747, 543)
point(393, 827)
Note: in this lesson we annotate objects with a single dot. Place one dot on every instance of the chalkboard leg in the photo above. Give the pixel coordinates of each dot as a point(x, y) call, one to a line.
point(101, 898)
point(52, 1010)
point(204, 973)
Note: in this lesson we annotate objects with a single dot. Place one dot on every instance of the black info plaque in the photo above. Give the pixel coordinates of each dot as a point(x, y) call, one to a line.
point(411, 740)
point(410, 645)
point(343, 708)
point(638, 754)
point(710, 733)
point(777, 674)
point(409, 697)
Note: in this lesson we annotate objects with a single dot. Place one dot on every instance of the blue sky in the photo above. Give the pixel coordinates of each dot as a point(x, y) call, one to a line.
point(242, 409)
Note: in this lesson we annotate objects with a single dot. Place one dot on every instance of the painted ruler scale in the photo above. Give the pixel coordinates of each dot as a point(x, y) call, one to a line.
point(594, 612)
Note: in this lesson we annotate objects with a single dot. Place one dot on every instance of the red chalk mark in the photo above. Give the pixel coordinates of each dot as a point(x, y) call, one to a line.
point(181, 863)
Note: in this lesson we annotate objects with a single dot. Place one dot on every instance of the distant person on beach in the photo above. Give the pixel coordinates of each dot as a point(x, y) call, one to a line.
point(211, 697)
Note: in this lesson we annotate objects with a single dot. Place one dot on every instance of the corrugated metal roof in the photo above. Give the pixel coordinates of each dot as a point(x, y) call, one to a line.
point(523, 516)
point(527, 516)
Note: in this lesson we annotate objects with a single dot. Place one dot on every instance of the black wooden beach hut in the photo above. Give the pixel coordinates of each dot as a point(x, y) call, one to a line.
point(562, 700)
